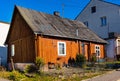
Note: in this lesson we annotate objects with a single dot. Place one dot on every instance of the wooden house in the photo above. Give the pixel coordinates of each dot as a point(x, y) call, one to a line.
point(34, 34)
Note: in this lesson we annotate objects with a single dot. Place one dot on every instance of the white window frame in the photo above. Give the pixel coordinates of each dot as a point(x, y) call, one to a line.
point(97, 48)
point(59, 54)
point(12, 50)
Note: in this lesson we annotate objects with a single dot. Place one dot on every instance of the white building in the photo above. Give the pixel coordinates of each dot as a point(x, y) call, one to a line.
point(104, 19)
point(4, 28)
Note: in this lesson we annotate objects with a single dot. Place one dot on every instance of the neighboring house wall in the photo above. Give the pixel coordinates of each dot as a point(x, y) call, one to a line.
point(3, 56)
point(103, 9)
point(4, 27)
point(117, 46)
point(111, 52)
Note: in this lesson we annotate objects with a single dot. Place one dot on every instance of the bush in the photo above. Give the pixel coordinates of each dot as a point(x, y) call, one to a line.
point(80, 60)
point(30, 69)
point(39, 62)
point(16, 76)
point(93, 59)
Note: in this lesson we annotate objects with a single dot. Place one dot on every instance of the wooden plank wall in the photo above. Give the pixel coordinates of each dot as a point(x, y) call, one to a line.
point(47, 49)
point(23, 39)
point(102, 49)
point(49, 52)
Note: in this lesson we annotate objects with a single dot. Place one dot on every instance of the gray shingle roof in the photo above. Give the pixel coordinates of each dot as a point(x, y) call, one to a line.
point(46, 24)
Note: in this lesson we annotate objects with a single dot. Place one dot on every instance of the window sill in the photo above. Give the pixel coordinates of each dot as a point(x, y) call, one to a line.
point(61, 54)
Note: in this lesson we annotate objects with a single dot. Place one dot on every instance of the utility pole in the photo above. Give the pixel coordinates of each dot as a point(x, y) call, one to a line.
point(63, 10)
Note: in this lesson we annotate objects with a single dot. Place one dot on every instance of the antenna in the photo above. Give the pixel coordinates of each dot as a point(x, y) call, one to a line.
point(63, 10)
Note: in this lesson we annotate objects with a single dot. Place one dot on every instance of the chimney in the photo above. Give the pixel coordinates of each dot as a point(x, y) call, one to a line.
point(56, 13)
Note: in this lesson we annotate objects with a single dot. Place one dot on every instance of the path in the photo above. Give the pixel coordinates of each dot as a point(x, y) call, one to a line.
point(111, 76)
point(4, 79)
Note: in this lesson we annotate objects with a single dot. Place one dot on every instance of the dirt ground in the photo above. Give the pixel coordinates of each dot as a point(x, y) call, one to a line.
point(66, 72)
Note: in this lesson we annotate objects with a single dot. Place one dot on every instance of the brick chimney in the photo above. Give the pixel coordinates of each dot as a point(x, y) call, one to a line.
point(56, 13)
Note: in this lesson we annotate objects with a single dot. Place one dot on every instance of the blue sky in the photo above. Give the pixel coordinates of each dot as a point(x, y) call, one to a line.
point(67, 8)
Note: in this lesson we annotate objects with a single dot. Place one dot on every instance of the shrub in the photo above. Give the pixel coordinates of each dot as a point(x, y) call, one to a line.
point(30, 69)
point(80, 60)
point(39, 62)
point(93, 59)
point(16, 76)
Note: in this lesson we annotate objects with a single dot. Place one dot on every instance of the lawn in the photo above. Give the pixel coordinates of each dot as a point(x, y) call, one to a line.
point(17, 76)
point(62, 74)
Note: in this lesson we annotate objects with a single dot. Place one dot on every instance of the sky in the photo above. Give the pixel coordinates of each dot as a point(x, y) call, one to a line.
point(67, 8)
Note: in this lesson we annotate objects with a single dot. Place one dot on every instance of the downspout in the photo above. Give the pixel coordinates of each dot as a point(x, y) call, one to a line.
point(78, 46)
point(77, 34)
point(89, 51)
point(36, 45)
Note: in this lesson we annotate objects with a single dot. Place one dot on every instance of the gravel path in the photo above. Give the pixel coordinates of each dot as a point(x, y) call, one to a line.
point(4, 79)
point(111, 76)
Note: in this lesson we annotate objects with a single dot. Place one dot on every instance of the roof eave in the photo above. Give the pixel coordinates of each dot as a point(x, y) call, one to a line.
point(74, 38)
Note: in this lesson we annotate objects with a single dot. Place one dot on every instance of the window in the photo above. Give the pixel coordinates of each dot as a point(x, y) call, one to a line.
point(86, 23)
point(93, 9)
point(61, 48)
point(118, 48)
point(97, 50)
point(12, 50)
point(103, 21)
point(83, 47)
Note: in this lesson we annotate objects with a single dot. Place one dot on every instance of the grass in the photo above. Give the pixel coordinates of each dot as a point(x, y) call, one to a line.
point(88, 73)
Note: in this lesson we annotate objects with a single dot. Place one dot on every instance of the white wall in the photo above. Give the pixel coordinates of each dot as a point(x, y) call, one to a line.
point(4, 28)
point(111, 52)
point(111, 11)
point(118, 46)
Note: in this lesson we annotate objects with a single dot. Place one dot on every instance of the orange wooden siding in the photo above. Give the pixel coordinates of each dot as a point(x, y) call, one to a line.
point(48, 50)
point(102, 53)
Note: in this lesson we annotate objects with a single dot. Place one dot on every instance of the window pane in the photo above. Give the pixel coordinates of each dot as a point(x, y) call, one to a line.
point(61, 48)
point(86, 23)
point(97, 50)
point(103, 21)
point(93, 9)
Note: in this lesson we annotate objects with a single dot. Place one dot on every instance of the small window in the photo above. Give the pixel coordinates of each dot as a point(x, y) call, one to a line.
point(86, 23)
point(97, 50)
point(93, 9)
point(12, 50)
point(83, 47)
point(61, 48)
point(103, 21)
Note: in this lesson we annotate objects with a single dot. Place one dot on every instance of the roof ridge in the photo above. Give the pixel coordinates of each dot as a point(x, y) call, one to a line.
point(110, 2)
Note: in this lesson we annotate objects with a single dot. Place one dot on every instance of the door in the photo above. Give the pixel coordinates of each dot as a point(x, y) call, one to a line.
point(85, 50)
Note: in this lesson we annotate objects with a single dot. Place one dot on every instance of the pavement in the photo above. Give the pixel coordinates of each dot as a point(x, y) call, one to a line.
point(110, 76)
point(4, 79)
